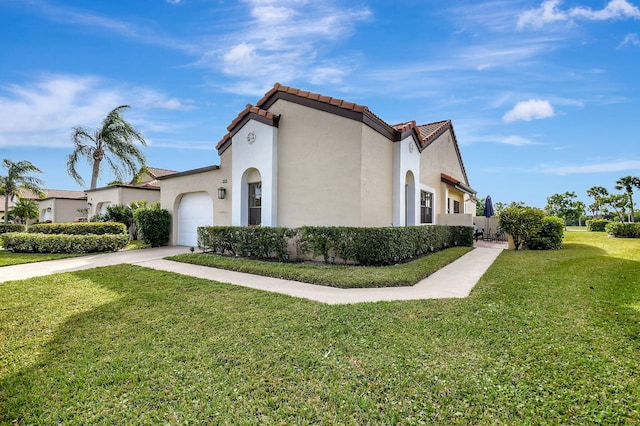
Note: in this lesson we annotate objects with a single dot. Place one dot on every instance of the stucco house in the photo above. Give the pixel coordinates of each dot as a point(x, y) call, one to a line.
point(57, 205)
point(300, 158)
point(63, 206)
point(145, 187)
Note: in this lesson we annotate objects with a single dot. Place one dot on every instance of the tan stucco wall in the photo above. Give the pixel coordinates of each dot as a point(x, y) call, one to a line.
point(376, 198)
point(67, 210)
point(319, 174)
point(120, 195)
point(174, 188)
point(441, 157)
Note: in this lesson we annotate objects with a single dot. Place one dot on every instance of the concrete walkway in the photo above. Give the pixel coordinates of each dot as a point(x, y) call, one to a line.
point(454, 280)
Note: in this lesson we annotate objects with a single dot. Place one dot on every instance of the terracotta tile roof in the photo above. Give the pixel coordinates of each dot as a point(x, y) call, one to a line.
point(449, 179)
point(431, 131)
point(156, 172)
point(404, 127)
point(249, 109)
point(53, 193)
point(313, 96)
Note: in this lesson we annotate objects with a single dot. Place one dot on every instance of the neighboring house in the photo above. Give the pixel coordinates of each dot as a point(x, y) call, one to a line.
point(63, 206)
point(56, 206)
point(299, 158)
point(145, 188)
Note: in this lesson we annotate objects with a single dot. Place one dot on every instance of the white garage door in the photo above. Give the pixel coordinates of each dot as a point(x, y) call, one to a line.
point(195, 209)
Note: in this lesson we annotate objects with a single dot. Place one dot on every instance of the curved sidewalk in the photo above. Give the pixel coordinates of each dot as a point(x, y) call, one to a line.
point(453, 281)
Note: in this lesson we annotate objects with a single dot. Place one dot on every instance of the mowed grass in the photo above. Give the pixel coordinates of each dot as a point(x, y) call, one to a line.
point(8, 258)
point(342, 276)
point(545, 338)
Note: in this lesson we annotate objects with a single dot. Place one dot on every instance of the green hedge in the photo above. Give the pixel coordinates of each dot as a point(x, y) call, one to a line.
point(79, 228)
point(11, 227)
point(597, 225)
point(549, 236)
point(624, 230)
point(262, 242)
point(365, 246)
point(154, 225)
point(24, 242)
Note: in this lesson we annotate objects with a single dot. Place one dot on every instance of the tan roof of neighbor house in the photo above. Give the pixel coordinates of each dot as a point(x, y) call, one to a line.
point(156, 172)
point(425, 133)
point(53, 193)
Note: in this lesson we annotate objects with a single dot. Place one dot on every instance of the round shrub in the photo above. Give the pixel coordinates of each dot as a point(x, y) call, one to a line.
point(549, 236)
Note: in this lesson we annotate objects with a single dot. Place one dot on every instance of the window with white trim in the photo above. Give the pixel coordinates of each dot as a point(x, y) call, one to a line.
point(426, 207)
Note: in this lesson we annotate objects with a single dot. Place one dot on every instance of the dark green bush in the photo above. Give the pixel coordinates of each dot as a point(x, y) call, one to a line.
point(79, 228)
point(521, 223)
point(375, 246)
point(259, 242)
point(366, 246)
point(154, 225)
point(11, 227)
point(24, 242)
point(549, 236)
point(623, 230)
point(597, 225)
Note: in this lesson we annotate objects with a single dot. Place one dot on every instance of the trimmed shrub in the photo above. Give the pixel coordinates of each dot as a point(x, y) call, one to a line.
point(549, 236)
point(11, 227)
point(154, 225)
point(365, 246)
point(259, 242)
point(597, 225)
point(623, 230)
point(25, 242)
point(521, 223)
point(79, 228)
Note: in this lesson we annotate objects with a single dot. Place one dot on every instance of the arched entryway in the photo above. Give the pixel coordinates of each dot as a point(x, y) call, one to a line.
point(409, 199)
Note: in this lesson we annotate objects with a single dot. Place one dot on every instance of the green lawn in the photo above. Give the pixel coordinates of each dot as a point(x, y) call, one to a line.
point(8, 258)
point(343, 276)
point(545, 338)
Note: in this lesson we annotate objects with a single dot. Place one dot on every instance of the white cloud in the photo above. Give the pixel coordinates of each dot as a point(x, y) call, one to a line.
point(515, 140)
point(533, 109)
point(549, 12)
point(285, 40)
point(630, 40)
point(615, 166)
point(174, 1)
point(43, 112)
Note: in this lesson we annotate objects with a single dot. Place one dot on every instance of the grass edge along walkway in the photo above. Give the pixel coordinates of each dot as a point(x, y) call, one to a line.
point(341, 276)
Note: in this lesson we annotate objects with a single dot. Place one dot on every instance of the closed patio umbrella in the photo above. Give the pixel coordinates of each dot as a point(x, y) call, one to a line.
point(488, 212)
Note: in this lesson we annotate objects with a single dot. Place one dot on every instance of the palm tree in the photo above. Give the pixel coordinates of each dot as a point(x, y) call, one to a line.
point(597, 193)
point(26, 209)
point(628, 183)
point(113, 142)
point(17, 178)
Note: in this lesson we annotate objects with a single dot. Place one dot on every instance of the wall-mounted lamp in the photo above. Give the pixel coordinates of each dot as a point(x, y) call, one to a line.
point(89, 204)
point(48, 209)
point(222, 191)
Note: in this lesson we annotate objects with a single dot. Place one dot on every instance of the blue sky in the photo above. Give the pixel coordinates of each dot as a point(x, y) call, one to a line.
point(543, 95)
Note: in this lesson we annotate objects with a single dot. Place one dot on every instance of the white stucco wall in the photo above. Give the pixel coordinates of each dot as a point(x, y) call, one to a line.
point(262, 155)
point(406, 158)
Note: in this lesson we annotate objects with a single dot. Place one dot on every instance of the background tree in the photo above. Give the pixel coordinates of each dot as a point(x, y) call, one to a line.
point(500, 206)
point(480, 207)
point(565, 206)
point(618, 202)
point(26, 209)
point(597, 193)
point(521, 223)
point(18, 178)
point(113, 142)
point(627, 184)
